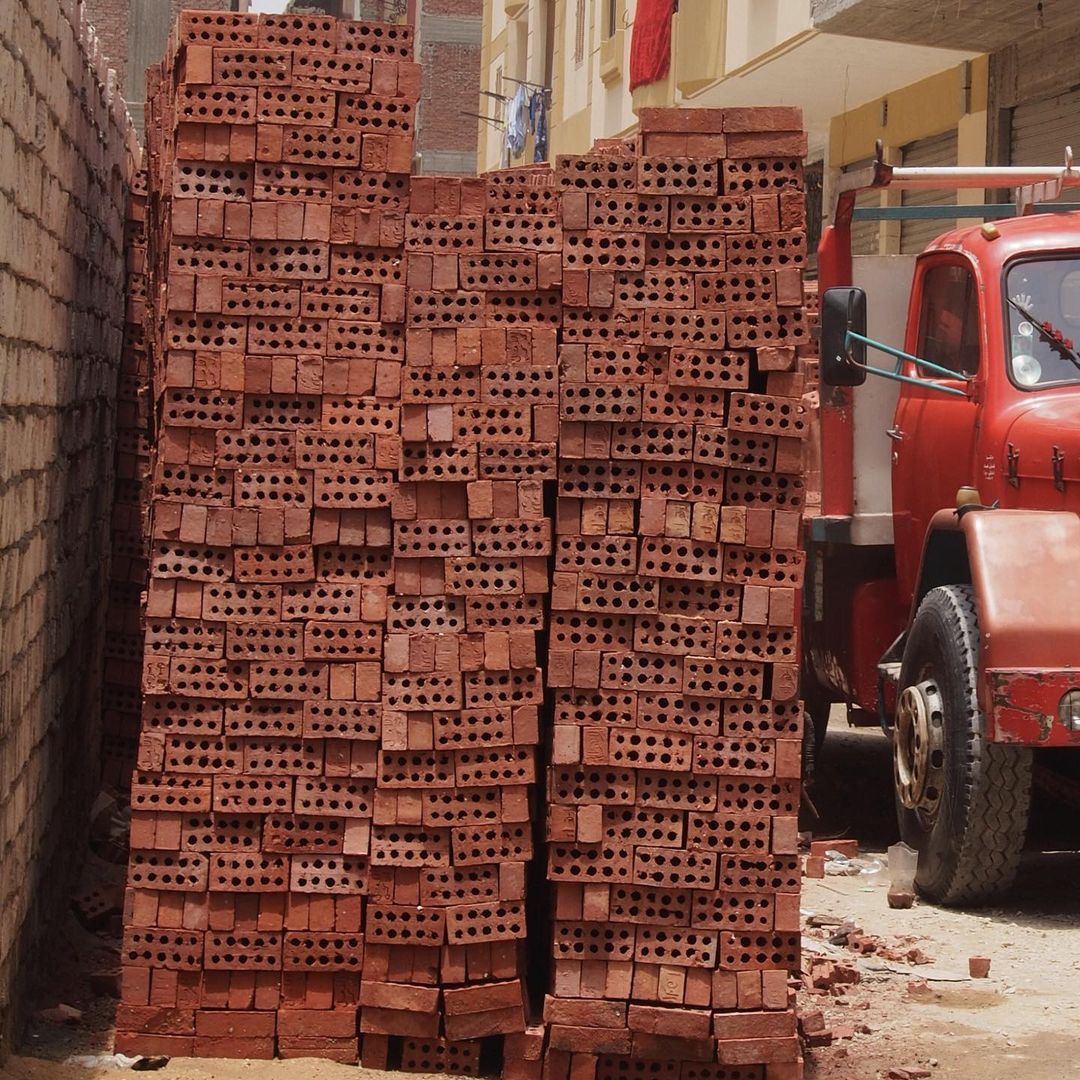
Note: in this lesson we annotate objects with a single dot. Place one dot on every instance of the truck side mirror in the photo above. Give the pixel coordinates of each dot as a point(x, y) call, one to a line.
point(843, 311)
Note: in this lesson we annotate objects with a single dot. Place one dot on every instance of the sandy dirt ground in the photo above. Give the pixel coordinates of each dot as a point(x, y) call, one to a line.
point(1021, 1023)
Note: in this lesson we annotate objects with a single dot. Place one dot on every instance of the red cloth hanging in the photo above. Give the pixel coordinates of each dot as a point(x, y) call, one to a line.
point(650, 46)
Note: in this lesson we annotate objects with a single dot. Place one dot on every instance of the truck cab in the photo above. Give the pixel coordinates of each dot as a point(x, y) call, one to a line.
point(945, 566)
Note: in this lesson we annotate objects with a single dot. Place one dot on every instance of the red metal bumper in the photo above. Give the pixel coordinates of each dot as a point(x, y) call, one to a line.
point(1024, 707)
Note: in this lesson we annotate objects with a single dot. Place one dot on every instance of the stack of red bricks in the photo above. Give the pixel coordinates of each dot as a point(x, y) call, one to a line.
point(462, 684)
point(383, 409)
point(128, 565)
point(280, 148)
point(675, 760)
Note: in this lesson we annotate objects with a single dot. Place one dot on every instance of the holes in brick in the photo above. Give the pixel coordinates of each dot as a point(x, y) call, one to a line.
point(628, 213)
point(242, 951)
point(605, 554)
point(598, 173)
point(338, 563)
point(328, 874)
point(342, 720)
point(375, 115)
point(252, 67)
point(328, 451)
point(531, 461)
point(375, 39)
point(280, 182)
point(396, 924)
point(759, 176)
point(218, 28)
point(504, 272)
point(574, 785)
point(523, 232)
point(505, 383)
point(326, 797)
point(765, 566)
point(764, 489)
point(356, 187)
point(211, 180)
point(786, 326)
point(331, 72)
point(604, 251)
point(710, 215)
point(445, 309)
point(295, 105)
point(525, 612)
point(672, 176)
point(443, 464)
point(209, 256)
point(291, 259)
point(428, 232)
point(593, 941)
point(243, 298)
point(704, 252)
point(373, 266)
point(523, 309)
point(314, 952)
point(772, 251)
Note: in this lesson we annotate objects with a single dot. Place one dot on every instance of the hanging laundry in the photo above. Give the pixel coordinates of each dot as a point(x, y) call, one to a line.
point(540, 130)
point(516, 121)
point(650, 45)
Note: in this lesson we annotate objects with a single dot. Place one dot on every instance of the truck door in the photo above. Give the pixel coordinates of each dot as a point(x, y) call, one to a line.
point(934, 433)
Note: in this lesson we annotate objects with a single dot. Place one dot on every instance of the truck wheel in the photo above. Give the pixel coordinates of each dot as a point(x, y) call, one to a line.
point(961, 802)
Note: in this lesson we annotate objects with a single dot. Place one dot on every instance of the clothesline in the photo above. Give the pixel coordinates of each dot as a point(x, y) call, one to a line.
point(527, 113)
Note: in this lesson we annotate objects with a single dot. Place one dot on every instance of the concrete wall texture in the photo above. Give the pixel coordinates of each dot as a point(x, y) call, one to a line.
point(66, 150)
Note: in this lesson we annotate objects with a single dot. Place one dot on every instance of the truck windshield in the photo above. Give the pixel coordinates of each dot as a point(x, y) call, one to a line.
point(1043, 322)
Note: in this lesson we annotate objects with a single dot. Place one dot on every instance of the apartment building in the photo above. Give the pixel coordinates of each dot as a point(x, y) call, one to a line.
point(928, 104)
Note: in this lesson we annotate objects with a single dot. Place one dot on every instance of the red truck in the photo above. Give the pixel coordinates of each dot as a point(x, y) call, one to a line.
point(943, 587)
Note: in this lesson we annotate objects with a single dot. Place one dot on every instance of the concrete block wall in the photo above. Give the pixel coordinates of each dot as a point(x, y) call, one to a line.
point(66, 148)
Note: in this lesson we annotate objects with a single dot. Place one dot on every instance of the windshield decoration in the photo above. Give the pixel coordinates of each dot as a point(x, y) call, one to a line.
point(1043, 301)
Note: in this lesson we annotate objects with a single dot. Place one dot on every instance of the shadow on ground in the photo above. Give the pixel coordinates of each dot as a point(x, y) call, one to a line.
point(853, 795)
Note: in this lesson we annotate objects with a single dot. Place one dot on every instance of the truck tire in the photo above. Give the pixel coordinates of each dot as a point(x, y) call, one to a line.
point(967, 813)
point(816, 708)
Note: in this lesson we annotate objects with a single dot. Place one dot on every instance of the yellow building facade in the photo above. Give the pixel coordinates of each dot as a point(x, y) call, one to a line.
point(926, 105)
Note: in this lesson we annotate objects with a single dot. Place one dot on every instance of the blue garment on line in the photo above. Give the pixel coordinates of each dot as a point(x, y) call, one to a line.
point(540, 127)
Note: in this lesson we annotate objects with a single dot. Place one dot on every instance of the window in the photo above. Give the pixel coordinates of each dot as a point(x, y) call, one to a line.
point(579, 34)
point(549, 41)
point(949, 323)
point(611, 17)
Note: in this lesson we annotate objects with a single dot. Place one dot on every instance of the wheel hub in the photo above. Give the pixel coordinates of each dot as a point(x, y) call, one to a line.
point(918, 747)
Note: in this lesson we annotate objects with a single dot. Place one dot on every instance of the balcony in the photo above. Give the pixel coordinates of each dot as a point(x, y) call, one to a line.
point(976, 25)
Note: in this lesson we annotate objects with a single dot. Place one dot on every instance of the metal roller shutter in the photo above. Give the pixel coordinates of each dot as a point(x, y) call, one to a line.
point(1042, 129)
point(936, 150)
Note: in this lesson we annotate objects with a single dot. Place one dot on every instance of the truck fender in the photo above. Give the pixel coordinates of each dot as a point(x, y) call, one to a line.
point(1025, 567)
point(1025, 572)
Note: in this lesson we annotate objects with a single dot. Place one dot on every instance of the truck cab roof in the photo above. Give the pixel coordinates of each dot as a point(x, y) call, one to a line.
point(1015, 236)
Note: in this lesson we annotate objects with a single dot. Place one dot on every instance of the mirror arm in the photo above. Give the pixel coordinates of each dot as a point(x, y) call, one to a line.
point(897, 377)
point(900, 355)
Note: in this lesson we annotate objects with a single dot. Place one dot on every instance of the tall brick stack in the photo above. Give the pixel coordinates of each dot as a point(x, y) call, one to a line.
point(446, 471)
point(279, 157)
point(675, 752)
point(462, 685)
point(121, 701)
